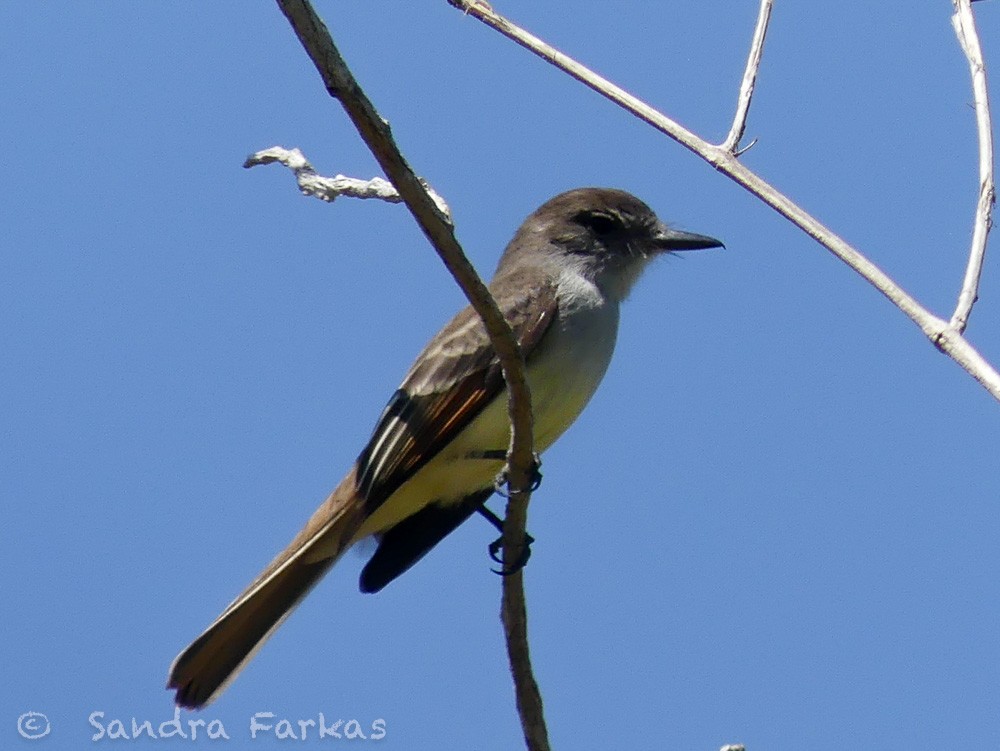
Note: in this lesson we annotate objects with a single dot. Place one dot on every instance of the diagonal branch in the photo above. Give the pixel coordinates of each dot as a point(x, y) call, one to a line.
point(945, 337)
point(340, 83)
point(732, 142)
point(965, 28)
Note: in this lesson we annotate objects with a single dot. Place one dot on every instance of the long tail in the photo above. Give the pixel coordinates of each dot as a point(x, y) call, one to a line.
point(211, 661)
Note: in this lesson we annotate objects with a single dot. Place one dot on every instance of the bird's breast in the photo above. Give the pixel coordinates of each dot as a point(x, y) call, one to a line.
point(563, 373)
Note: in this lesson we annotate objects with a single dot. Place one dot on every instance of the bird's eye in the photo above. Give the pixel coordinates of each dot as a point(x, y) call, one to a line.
point(599, 224)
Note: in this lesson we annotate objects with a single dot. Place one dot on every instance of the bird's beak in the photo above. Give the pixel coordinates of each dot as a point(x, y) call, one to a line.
point(673, 239)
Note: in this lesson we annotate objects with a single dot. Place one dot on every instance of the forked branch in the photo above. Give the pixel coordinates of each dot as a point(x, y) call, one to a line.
point(732, 142)
point(943, 335)
point(965, 28)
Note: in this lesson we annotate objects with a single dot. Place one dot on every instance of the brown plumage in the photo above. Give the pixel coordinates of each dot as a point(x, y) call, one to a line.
point(425, 469)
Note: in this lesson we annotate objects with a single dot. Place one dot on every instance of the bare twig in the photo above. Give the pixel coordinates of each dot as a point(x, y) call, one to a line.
point(946, 338)
point(514, 615)
point(965, 28)
point(732, 141)
point(520, 458)
point(329, 188)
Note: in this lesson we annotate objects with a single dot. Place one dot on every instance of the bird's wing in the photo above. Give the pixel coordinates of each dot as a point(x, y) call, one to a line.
point(453, 380)
point(456, 376)
point(411, 539)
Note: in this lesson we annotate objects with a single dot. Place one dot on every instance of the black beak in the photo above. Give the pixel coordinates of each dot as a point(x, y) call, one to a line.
point(669, 239)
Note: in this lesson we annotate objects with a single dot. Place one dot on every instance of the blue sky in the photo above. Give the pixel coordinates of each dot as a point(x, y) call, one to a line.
point(776, 523)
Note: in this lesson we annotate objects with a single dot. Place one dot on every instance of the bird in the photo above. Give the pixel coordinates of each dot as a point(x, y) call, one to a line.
point(440, 442)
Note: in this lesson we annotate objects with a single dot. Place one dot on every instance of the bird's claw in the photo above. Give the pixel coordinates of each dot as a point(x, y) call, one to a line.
point(520, 563)
point(500, 483)
point(497, 544)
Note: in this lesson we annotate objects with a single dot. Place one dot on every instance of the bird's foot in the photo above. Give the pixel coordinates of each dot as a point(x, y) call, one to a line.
point(534, 477)
point(522, 560)
point(496, 546)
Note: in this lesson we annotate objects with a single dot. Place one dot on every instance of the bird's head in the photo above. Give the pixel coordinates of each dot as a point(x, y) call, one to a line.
point(607, 234)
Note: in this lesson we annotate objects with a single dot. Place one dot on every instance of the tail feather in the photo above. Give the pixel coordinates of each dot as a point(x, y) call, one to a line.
point(211, 661)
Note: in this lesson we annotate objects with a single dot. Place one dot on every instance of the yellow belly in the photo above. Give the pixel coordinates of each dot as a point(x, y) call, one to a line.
point(562, 375)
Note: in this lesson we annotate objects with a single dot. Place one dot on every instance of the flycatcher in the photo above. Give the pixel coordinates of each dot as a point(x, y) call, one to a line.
point(434, 454)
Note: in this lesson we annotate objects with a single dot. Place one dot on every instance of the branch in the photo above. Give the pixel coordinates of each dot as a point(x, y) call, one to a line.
point(329, 188)
point(513, 612)
point(749, 81)
point(514, 615)
point(437, 227)
point(965, 28)
point(945, 337)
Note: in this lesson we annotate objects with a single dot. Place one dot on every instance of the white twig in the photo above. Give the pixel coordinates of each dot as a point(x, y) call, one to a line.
point(965, 28)
point(329, 188)
point(949, 340)
point(732, 141)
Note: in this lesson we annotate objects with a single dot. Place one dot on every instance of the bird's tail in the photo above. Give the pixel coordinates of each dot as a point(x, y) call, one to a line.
point(211, 661)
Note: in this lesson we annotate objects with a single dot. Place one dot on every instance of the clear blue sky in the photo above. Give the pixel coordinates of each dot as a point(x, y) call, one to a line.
point(776, 524)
